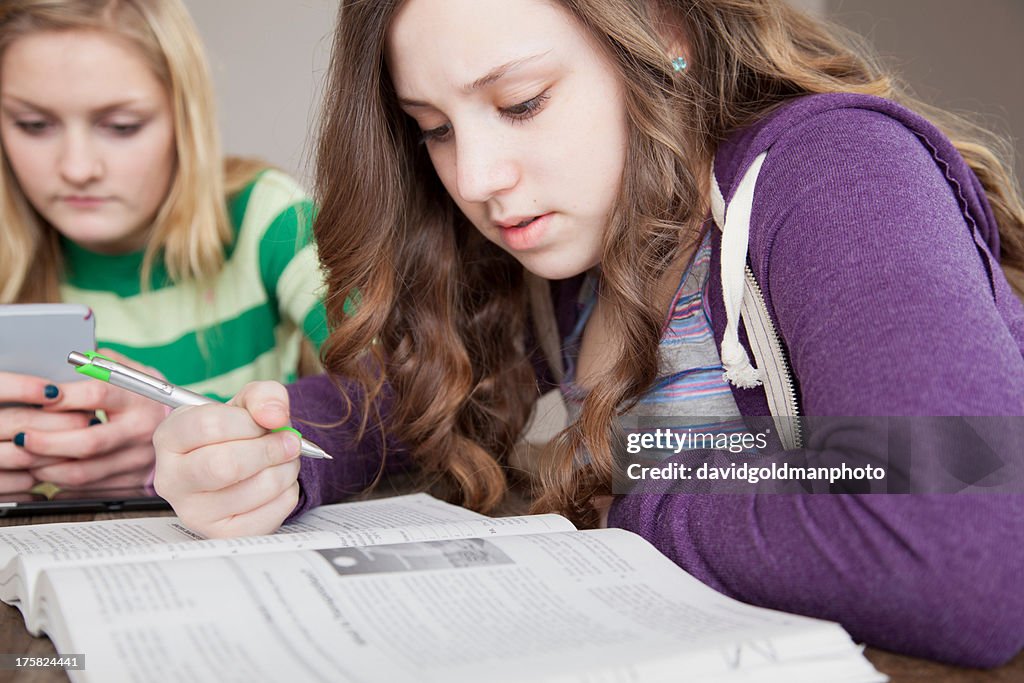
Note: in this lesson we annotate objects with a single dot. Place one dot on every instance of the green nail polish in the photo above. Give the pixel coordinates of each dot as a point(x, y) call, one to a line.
point(19, 439)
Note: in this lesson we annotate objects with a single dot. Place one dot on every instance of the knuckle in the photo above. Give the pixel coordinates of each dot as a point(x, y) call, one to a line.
point(207, 425)
point(267, 486)
point(94, 393)
point(271, 388)
point(262, 390)
point(222, 469)
point(245, 393)
point(163, 436)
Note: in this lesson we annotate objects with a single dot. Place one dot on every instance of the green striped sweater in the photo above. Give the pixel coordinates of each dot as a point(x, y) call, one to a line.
point(246, 325)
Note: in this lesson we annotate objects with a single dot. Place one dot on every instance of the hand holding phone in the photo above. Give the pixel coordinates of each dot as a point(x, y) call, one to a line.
point(48, 425)
point(32, 337)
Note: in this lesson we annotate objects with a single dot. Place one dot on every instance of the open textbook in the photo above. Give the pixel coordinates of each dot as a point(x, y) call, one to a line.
point(397, 589)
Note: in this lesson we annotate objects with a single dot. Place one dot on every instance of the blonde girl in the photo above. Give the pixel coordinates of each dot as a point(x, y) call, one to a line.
point(114, 194)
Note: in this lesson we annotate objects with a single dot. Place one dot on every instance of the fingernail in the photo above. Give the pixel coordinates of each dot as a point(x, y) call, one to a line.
point(51, 391)
point(95, 421)
point(19, 439)
point(291, 443)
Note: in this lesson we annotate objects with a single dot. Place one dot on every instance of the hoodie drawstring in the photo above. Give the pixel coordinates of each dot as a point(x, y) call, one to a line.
point(735, 227)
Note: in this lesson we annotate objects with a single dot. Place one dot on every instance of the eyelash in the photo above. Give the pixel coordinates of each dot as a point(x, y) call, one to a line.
point(37, 128)
point(32, 127)
point(526, 111)
point(124, 130)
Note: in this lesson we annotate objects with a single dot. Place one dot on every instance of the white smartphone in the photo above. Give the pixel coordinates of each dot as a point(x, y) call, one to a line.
point(35, 339)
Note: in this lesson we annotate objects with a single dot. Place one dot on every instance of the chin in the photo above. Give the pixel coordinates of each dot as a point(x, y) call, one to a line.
point(551, 267)
point(102, 241)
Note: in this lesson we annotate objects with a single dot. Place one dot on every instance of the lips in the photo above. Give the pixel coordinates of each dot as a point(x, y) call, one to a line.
point(522, 233)
point(83, 201)
point(516, 222)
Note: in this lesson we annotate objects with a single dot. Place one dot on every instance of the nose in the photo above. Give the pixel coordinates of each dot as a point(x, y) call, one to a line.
point(484, 167)
point(80, 161)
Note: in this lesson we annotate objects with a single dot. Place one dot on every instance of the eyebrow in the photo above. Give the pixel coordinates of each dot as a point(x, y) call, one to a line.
point(491, 77)
point(106, 109)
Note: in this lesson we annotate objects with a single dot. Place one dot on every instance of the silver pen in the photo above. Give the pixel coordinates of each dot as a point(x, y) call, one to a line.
point(104, 369)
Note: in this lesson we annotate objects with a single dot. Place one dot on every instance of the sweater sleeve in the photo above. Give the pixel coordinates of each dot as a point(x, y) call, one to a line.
point(886, 309)
point(319, 413)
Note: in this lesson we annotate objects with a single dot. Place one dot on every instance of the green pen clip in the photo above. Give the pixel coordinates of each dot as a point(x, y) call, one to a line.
point(93, 371)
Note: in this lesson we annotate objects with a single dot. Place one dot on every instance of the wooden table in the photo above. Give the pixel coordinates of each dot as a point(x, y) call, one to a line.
point(14, 639)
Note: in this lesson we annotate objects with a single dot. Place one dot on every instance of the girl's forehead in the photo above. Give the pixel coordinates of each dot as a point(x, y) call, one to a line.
point(87, 69)
point(458, 42)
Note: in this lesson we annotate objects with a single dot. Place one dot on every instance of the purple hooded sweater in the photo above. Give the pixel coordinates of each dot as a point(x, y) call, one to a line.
point(873, 243)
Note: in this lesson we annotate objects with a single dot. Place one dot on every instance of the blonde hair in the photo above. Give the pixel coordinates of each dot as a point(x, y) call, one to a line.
point(192, 225)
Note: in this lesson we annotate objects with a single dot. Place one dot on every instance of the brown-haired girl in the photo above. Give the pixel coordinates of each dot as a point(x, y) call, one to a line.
point(495, 173)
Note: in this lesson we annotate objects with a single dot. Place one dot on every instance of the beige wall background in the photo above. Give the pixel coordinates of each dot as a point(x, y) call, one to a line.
point(967, 56)
point(269, 57)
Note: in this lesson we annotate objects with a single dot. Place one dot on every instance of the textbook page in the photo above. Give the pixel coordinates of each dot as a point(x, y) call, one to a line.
point(583, 606)
point(30, 549)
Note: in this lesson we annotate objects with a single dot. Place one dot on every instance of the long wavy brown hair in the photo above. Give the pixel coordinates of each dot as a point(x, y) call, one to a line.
point(443, 312)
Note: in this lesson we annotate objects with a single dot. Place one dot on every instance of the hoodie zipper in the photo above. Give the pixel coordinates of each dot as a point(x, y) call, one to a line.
point(788, 388)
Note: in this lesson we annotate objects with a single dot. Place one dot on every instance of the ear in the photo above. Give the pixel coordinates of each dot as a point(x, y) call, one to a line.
point(672, 35)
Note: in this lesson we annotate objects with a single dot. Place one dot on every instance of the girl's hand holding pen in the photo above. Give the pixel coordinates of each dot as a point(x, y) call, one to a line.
point(220, 468)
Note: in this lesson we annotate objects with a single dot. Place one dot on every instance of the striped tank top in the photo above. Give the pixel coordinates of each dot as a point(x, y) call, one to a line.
point(690, 395)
